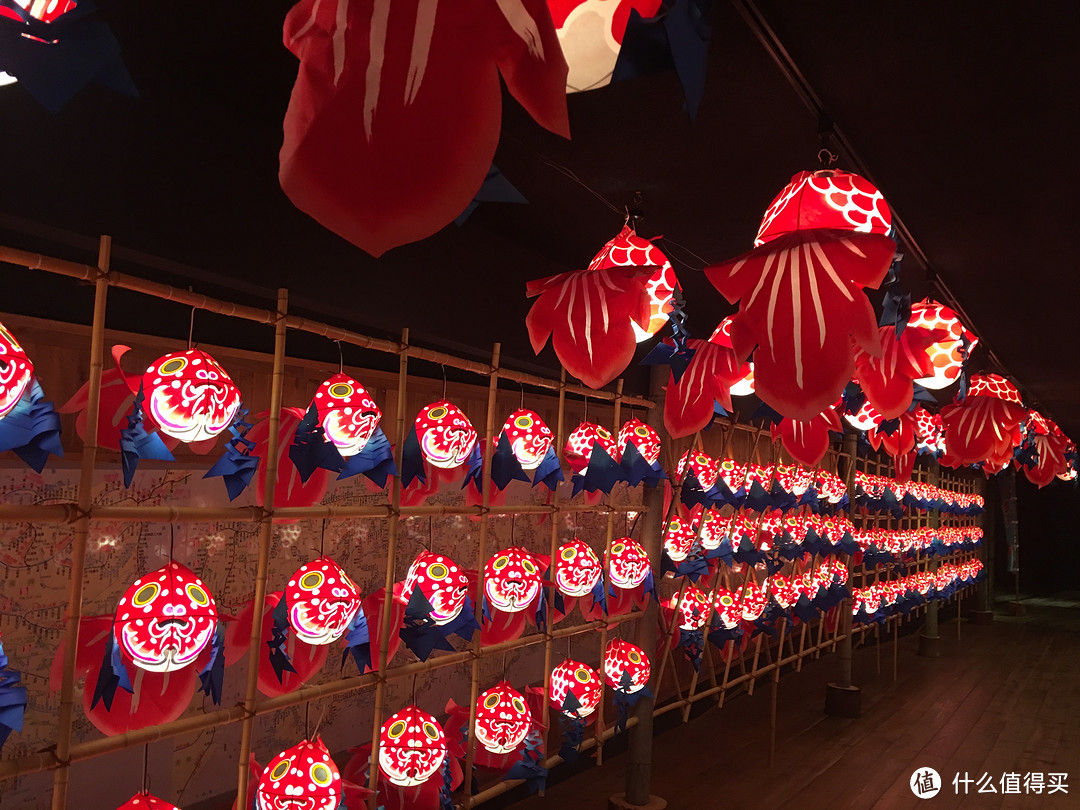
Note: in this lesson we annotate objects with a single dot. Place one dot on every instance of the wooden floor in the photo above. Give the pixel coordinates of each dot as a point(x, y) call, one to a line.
point(1004, 698)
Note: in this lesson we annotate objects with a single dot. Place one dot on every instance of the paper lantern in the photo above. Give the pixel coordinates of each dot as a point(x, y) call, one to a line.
point(754, 600)
point(703, 467)
point(948, 352)
point(165, 619)
point(591, 34)
point(888, 378)
point(583, 440)
point(446, 436)
point(644, 438)
point(627, 564)
point(442, 582)
point(714, 529)
point(322, 601)
point(188, 395)
point(820, 242)
point(16, 371)
point(744, 386)
point(303, 776)
point(626, 666)
point(691, 610)
point(412, 747)
point(985, 426)
point(627, 249)
point(726, 607)
point(512, 580)
point(692, 399)
point(679, 538)
point(576, 689)
point(577, 568)
point(146, 801)
point(529, 436)
point(865, 418)
point(503, 719)
point(347, 412)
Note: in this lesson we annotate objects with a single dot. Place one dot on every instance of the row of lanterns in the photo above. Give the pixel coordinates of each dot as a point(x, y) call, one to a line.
point(878, 600)
point(877, 493)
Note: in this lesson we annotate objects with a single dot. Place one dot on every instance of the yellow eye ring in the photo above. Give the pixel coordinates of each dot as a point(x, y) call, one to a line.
point(528, 566)
point(311, 580)
point(582, 675)
point(568, 553)
point(431, 731)
point(437, 571)
point(197, 594)
point(173, 366)
point(341, 390)
point(500, 563)
point(491, 701)
point(523, 422)
point(641, 431)
point(519, 704)
point(634, 657)
point(280, 770)
point(437, 413)
point(617, 548)
point(396, 730)
point(146, 594)
point(603, 434)
point(321, 775)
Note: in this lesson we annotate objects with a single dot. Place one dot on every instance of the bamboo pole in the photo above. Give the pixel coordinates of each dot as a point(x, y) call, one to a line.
point(379, 708)
point(85, 496)
point(481, 552)
point(266, 538)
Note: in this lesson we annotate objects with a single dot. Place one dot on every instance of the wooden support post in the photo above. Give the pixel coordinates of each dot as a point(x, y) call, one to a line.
point(842, 698)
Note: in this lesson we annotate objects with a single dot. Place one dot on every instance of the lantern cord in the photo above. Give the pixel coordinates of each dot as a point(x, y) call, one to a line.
point(172, 540)
point(430, 532)
point(585, 413)
point(513, 527)
point(191, 327)
point(341, 357)
point(322, 540)
point(522, 395)
point(443, 380)
point(505, 666)
point(318, 723)
point(412, 700)
point(307, 721)
point(146, 768)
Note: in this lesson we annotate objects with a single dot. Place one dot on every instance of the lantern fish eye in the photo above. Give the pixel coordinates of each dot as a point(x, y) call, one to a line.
point(437, 413)
point(582, 675)
point(523, 422)
point(341, 390)
point(603, 434)
point(431, 731)
point(437, 571)
point(197, 594)
point(528, 566)
point(491, 701)
point(641, 431)
point(311, 580)
point(634, 657)
point(518, 704)
point(321, 775)
point(396, 730)
point(146, 594)
point(501, 563)
point(280, 770)
point(173, 366)
point(617, 548)
point(568, 553)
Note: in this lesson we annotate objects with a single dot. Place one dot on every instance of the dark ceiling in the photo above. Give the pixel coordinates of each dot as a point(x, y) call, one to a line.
point(963, 113)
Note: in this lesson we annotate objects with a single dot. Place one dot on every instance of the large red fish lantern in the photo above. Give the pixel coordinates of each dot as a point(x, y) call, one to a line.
point(303, 777)
point(951, 348)
point(821, 241)
point(412, 747)
point(165, 619)
point(576, 689)
point(807, 440)
point(577, 569)
point(443, 437)
point(524, 446)
point(512, 580)
point(321, 601)
point(888, 378)
point(744, 386)
point(591, 451)
point(985, 426)
point(16, 371)
point(347, 413)
point(146, 801)
point(692, 399)
point(442, 582)
point(503, 719)
point(1050, 447)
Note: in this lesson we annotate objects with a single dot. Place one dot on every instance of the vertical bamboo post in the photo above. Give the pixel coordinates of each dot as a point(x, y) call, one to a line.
point(82, 528)
point(842, 698)
point(391, 563)
point(481, 551)
point(266, 536)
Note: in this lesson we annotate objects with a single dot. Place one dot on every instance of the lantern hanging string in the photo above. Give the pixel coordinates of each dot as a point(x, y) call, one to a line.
point(443, 366)
point(430, 532)
point(322, 539)
point(172, 540)
point(146, 768)
point(522, 395)
point(341, 357)
point(191, 327)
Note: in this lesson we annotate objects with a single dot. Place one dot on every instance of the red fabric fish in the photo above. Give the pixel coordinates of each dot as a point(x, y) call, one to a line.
point(985, 426)
point(808, 441)
point(395, 114)
point(114, 405)
point(690, 403)
point(888, 379)
point(289, 488)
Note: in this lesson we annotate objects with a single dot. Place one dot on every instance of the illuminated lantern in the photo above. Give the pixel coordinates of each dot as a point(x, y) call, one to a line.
point(512, 580)
point(412, 747)
point(888, 379)
point(626, 666)
point(321, 601)
point(628, 564)
point(303, 776)
point(347, 412)
point(820, 242)
point(733, 474)
point(187, 395)
point(929, 435)
point(690, 403)
point(866, 418)
point(591, 34)
point(442, 582)
point(754, 600)
point(679, 538)
point(503, 719)
point(691, 610)
point(953, 344)
point(575, 689)
point(744, 386)
point(644, 438)
point(16, 371)
point(726, 607)
point(584, 440)
point(577, 568)
point(165, 619)
point(446, 436)
point(704, 469)
point(1050, 446)
point(627, 249)
point(529, 436)
point(808, 441)
point(146, 801)
point(985, 426)
point(714, 529)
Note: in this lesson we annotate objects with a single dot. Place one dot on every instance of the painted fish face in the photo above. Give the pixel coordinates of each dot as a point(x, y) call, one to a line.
point(442, 582)
point(760, 474)
point(165, 619)
point(727, 608)
point(146, 801)
point(16, 371)
point(641, 436)
point(733, 473)
point(530, 438)
point(714, 528)
point(347, 412)
point(829, 198)
point(721, 336)
point(705, 469)
point(503, 719)
point(795, 528)
point(322, 601)
point(679, 538)
point(782, 590)
point(577, 568)
point(946, 355)
point(303, 777)
point(446, 435)
point(190, 396)
point(830, 486)
point(628, 564)
point(626, 667)
point(579, 445)
point(412, 747)
point(577, 679)
point(692, 610)
point(754, 600)
point(512, 580)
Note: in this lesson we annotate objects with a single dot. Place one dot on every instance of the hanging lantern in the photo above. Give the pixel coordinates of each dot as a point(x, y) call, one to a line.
point(679, 538)
point(503, 719)
point(575, 689)
point(16, 371)
point(529, 436)
point(726, 606)
point(694, 397)
point(627, 249)
point(691, 610)
point(591, 451)
point(512, 580)
point(303, 776)
point(628, 564)
point(442, 582)
point(820, 242)
point(714, 529)
point(985, 426)
point(626, 666)
point(641, 436)
point(165, 619)
point(347, 412)
point(1050, 446)
point(412, 747)
point(591, 34)
point(577, 569)
point(146, 801)
point(446, 436)
point(888, 379)
point(321, 601)
point(866, 418)
point(952, 347)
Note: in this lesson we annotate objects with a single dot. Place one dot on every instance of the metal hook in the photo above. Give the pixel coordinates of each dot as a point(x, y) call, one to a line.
point(826, 157)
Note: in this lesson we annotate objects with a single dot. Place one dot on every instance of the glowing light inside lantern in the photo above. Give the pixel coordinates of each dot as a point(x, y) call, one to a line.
point(442, 582)
point(946, 355)
point(446, 435)
point(511, 580)
point(347, 412)
point(626, 666)
point(503, 719)
point(16, 371)
point(412, 747)
point(303, 776)
point(577, 568)
point(190, 396)
point(529, 436)
point(322, 601)
point(580, 680)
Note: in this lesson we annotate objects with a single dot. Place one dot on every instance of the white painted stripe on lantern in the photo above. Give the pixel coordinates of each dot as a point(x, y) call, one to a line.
point(815, 296)
point(826, 265)
point(380, 14)
point(421, 47)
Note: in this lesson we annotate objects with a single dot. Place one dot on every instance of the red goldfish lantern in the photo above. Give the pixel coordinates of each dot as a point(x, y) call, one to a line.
point(643, 437)
point(628, 564)
point(146, 801)
point(577, 568)
point(626, 666)
point(985, 426)
point(165, 619)
point(578, 681)
point(512, 580)
point(321, 601)
point(627, 249)
point(303, 776)
point(447, 437)
point(442, 582)
point(821, 241)
point(703, 467)
point(16, 371)
point(744, 386)
point(679, 538)
point(584, 439)
point(412, 747)
point(347, 413)
point(887, 378)
point(691, 609)
point(953, 343)
point(529, 436)
point(503, 719)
